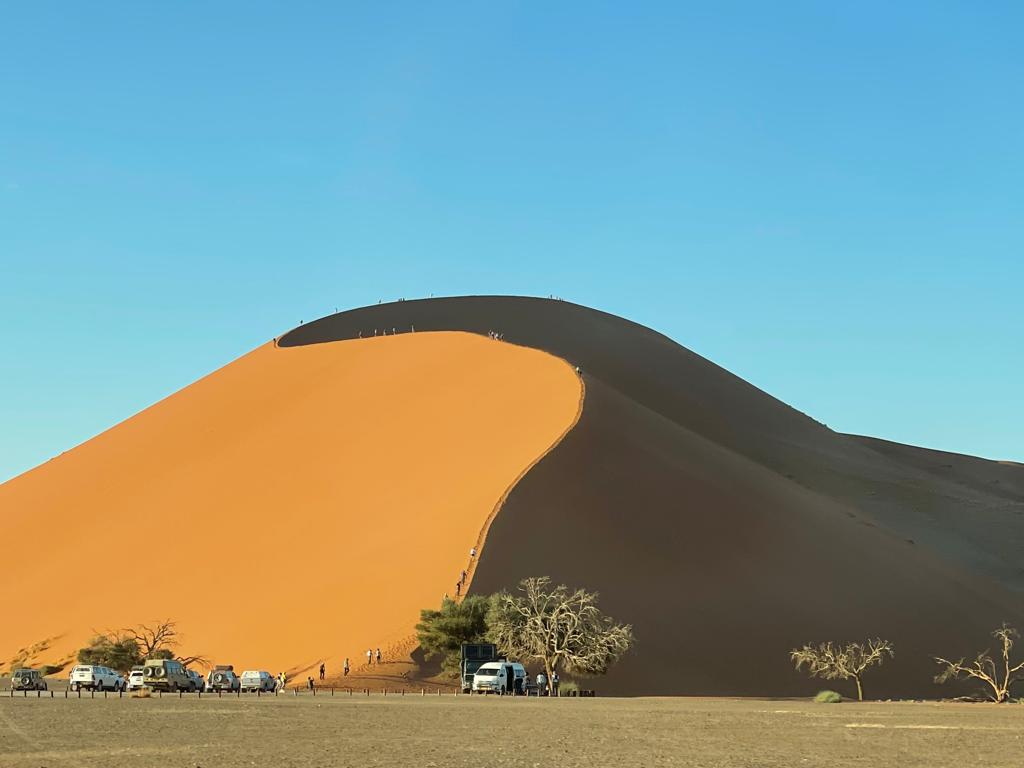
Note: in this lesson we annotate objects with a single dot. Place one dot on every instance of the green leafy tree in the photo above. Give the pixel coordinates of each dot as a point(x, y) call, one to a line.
point(558, 628)
point(111, 650)
point(441, 633)
point(126, 648)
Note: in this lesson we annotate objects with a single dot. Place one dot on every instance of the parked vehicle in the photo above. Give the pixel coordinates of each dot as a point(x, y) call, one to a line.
point(223, 678)
point(501, 677)
point(95, 677)
point(166, 675)
point(473, 655)
point(198, 683)
point(135, 682)
point(253, 681)
point(27, 680)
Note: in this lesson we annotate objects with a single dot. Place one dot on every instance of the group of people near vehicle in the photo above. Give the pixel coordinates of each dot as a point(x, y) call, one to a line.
point(542, 684)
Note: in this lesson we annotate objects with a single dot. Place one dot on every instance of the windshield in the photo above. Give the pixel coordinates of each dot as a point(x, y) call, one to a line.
point(486, 673)
point(19, 672)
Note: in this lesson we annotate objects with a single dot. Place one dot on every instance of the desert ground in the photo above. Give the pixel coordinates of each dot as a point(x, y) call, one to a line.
point(474, 731)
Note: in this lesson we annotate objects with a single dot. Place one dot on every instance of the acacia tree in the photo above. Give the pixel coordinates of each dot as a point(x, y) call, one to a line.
point(558, 628)
point(999, 676)
point(161, 636)
point(442, 633)
point(831, 661)
point(112, 650)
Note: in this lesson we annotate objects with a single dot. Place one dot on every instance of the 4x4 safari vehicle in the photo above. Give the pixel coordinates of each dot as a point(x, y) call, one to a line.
point(166, 675)
point(223, 678)
point(27, 680)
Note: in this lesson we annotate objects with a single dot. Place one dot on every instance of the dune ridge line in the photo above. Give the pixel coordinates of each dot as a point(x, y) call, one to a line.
point(500, 503)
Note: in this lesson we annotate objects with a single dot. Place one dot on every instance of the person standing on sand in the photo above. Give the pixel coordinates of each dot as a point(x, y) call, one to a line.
point(463, 578)
point(472, 552)
point(378, 655)
point(458, 589)
point(346, 666)
point(309, 683)
point(323, 670)
point(369, 656)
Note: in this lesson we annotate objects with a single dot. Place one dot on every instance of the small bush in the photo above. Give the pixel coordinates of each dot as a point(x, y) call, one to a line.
point(828, 697)
point(568, 688)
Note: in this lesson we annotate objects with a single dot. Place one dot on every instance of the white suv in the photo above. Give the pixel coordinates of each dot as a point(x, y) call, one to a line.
point(95, 678)
point(135, 679)
point(253, 681)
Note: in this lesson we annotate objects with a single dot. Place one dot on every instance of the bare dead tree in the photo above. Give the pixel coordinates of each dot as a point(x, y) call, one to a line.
point(187, 661)
point(161, 640)
point(160, 637)
point(558, 628)
point(831, 661)
point(997, 675)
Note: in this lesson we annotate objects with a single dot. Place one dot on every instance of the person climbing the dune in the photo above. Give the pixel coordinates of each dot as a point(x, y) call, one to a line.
point(346, 666)
point(458, 589)
point(378, 655)
point(462, 578)
point(369, 656)
point(323, 670)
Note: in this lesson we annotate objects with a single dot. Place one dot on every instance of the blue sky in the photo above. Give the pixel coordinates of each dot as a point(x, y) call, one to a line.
point(825, 198)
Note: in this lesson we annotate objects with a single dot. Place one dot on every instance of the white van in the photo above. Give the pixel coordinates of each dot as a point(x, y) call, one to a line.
point(501, 677)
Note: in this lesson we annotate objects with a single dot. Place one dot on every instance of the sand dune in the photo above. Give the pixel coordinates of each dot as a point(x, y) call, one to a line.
point(729, 527)
point(317, 495)
point(298, 504)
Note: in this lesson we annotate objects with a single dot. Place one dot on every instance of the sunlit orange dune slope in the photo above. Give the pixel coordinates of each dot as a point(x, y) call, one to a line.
point(299, 504)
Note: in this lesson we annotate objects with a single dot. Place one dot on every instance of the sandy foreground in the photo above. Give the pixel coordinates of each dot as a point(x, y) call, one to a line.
point(465, 731)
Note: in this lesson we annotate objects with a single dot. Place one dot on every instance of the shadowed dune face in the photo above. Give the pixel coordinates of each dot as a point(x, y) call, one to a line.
point(728, 527)
point(298, 504)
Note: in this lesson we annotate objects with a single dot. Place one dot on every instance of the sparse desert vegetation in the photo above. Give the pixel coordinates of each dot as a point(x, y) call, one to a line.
point(997, 675)
point(849, 661)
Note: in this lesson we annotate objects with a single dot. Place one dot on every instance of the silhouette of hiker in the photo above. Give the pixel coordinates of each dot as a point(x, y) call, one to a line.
point(323, 670)
point(458, 588)
point(369, 656)
point(378, 655)
point(309, 683)
point(346, 666)
point(462, 578)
